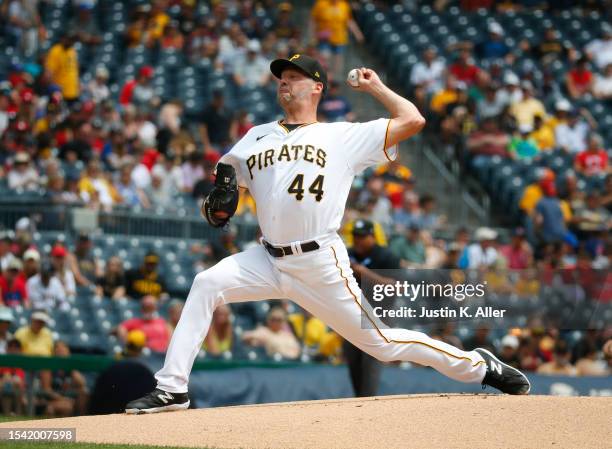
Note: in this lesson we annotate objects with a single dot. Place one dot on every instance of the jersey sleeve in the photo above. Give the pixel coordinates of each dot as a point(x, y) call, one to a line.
point(233, 158)
point(365, 144)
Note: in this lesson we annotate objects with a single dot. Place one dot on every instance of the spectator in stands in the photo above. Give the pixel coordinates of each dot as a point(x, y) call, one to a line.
point(481, 338)
point(77, 149)
point(315, 338)
point(494, 47)
point(62, 271)
point(112, 283)
point(97, 88)
point(130, 194)
point(518, 253)
point(549, 219)
point(446, 96)
point(175, 308)
point(334, 107)
point(542, 135)
point(157, 22)
point(13, 285)
point(45, 291)
point(571, 136)
point(12, 384)
point(146, 280)
point(560, 365)
point(65, 391)
point(139, 91)
point(95, 188)
point(83, 263)
point(591, 217)
point(602, 87)
point(36, 338)
point(428, 74)
point(551, 48)
point(491, 105)
point(172, 38)
point(84, 25)
point(509, 350)
point(241, 125)
point(284, 26)
point(220, 337)
point(62, 66)
point(525, 110)
point(464, 69)
point(24, 26)
point(170, 173)
point(511, 92)
point(192, 171)
point(6, 320)
point(379, 208)
point(409, 248)
point(215, 124)
point(23, 176)
point(483, 253)
point(579, 80)
point(331, 22)
point(274, 336)
point(226, 245)
point(135, 342)
point(155, 328)
point(6, 255)
point(594, 160)
point(600, 50)
point(251, 70)
point(521, 146)
point(487, 141)
point(170, 121)
point(590, 364)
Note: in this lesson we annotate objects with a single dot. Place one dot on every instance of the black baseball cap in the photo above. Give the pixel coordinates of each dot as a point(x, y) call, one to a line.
point(306, 64)
point(363, 227)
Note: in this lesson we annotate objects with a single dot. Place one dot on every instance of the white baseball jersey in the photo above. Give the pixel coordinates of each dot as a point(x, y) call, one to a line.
point(300, 179)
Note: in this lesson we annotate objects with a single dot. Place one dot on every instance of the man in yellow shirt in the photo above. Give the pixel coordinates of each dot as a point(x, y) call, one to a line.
point(446, 96)
point(62, 66)
point(36, 339)
point(332, 20)
point(525, 111)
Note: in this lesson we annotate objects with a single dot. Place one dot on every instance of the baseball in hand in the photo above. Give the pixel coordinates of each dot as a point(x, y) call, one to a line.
point(353, 78)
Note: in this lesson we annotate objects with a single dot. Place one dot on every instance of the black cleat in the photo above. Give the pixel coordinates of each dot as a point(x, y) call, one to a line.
point(158, 401)
point(503, 377)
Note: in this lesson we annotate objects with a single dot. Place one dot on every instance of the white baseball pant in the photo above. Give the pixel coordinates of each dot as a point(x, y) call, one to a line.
point(321, 282)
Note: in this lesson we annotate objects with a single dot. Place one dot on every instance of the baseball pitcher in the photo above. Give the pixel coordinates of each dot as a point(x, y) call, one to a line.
point(300, 171)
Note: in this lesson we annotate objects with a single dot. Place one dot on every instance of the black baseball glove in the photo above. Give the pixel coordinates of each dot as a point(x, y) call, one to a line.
point(223, 197)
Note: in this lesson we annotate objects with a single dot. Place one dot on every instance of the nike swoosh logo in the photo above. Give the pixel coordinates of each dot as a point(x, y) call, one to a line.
point(261, 137)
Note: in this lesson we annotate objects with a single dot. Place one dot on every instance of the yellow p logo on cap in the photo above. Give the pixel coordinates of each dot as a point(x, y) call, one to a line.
point(294, 57)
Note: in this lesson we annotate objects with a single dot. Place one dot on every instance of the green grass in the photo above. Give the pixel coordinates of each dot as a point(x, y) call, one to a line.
point(5, 418)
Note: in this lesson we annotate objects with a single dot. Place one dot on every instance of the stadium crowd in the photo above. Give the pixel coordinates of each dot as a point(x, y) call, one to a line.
point(75, 135)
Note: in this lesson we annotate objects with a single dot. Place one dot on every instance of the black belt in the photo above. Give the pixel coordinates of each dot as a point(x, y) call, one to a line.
point(280, 251)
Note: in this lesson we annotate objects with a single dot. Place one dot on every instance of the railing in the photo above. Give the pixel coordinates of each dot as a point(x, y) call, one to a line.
point(160, 223)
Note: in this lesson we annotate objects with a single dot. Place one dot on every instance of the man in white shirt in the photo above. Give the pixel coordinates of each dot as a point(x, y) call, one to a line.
point(600, 50)
point(251, 70)
point(429, 73)
point(483, 253)
point(571, 136)
point(46, 291)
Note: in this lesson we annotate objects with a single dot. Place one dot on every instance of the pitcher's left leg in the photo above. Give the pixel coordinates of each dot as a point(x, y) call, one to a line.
point(329, 291)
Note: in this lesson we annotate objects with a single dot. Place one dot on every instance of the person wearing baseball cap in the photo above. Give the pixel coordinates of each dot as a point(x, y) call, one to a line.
point(31, 262)
point(366, 258)
point(13, 286)
point(36, 338)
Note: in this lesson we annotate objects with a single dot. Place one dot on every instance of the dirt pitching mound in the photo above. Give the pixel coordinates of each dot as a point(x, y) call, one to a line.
point(418, 421)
